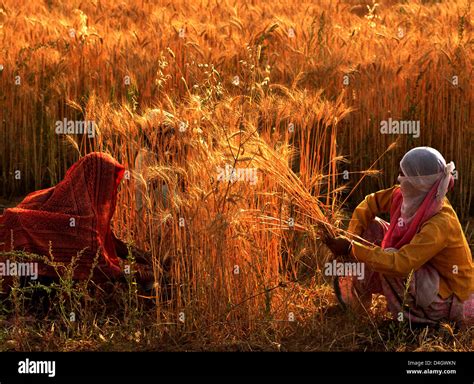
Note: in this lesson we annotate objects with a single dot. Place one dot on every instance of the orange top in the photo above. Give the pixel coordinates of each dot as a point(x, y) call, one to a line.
point(440, 241)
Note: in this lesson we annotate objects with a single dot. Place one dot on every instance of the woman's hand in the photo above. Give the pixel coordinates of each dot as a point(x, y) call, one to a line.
point(339, 246)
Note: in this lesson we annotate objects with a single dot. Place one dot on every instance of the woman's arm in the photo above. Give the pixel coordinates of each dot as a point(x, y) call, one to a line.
point(371, 206)
point(427, 243)
point(141, 257)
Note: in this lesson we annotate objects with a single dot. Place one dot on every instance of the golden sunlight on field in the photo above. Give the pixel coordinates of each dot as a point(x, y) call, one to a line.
point(249, 131)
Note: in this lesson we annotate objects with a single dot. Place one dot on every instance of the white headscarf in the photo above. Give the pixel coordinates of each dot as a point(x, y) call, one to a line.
point(422, 168)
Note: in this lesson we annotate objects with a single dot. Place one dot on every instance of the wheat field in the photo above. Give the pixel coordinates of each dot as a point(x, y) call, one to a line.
point(290, 94)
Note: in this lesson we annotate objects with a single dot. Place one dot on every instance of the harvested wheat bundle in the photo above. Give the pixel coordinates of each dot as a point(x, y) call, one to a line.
point(318, 220)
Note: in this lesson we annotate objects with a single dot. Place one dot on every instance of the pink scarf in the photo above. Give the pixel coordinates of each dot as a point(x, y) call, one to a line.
point(401, 232)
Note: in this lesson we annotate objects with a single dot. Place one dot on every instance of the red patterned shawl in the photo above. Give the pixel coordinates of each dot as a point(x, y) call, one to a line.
point(71, 217)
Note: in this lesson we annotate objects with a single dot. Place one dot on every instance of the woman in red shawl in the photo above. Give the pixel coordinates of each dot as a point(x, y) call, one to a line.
point(71, 221)
point(421, 261)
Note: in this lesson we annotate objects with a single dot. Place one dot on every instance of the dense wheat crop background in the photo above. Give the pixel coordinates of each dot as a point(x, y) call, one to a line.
point(291, 93)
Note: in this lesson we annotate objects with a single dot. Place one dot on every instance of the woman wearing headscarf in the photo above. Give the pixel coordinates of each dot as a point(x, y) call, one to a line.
point(69, 225)
point(423, 265)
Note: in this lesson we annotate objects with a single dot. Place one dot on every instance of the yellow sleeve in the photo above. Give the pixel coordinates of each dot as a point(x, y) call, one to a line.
point(427, 243)
point(371, 206)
